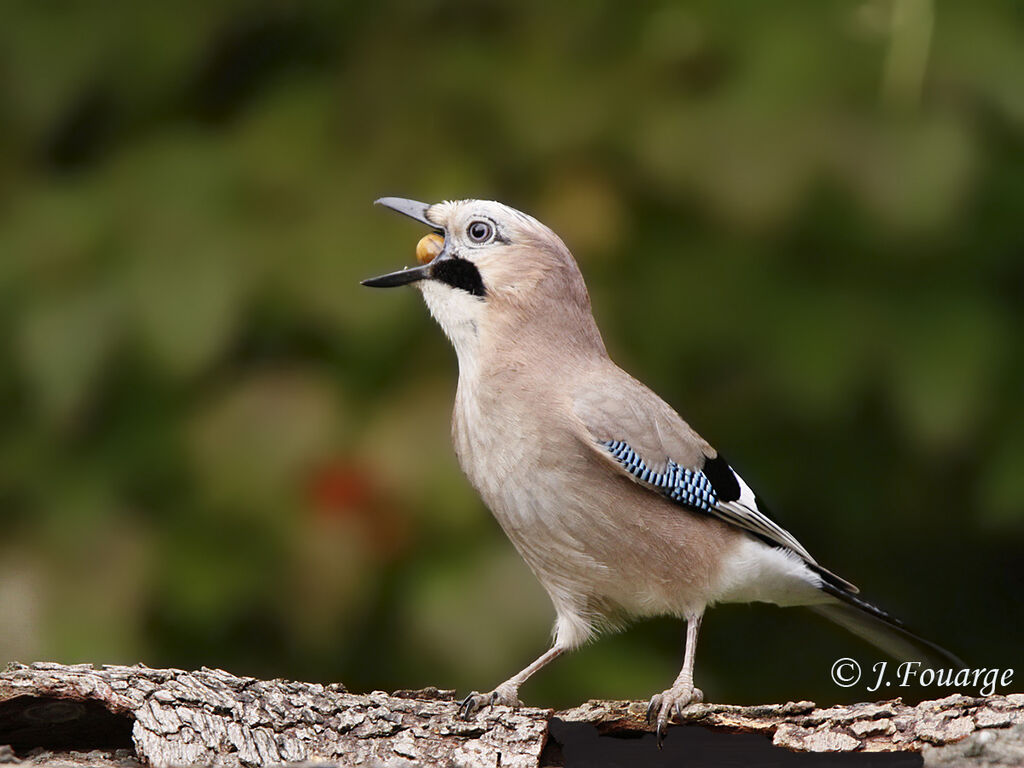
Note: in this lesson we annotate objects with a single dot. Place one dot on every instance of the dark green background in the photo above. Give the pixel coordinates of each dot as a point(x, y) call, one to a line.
point(801, 223)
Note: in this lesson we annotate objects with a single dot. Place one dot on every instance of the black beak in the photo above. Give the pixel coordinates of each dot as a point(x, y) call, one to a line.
point(414, 210)
point(411, 208)
point(401, 277)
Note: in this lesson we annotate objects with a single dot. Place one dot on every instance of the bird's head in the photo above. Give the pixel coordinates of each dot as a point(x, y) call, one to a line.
point(487, 264)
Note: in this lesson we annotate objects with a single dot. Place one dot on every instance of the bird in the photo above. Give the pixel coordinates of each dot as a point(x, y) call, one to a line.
point(621, 510)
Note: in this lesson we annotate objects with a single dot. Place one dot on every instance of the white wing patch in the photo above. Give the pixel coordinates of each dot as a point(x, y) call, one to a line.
point(747, 515)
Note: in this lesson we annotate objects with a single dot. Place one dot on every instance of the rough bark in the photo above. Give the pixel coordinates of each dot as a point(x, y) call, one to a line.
point(886, 726)
point(122, 716)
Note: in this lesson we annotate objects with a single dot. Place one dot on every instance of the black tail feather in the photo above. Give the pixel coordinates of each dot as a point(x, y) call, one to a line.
point(882, 630)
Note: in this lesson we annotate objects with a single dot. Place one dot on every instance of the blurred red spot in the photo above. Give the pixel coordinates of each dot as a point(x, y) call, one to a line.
point(340, 488)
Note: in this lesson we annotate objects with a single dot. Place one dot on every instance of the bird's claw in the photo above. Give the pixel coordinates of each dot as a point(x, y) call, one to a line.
point(670, 703)
point(474, 702)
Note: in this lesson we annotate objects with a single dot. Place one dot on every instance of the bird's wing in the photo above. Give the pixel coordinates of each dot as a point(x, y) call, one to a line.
point(638, 434)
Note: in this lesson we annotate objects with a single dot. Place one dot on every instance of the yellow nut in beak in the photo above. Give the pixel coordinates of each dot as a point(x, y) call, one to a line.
point(429, 247)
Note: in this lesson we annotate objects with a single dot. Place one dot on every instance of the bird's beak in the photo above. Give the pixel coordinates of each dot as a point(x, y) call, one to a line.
point(401, 277)
point(411, 208)
point(414, 210)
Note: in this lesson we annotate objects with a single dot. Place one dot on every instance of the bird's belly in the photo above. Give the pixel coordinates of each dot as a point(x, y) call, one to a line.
point(606, 549)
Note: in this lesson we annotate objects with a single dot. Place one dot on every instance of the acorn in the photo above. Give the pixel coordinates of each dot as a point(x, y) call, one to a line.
point(429, 247)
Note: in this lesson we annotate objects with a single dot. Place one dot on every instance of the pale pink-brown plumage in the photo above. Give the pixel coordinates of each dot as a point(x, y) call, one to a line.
point(537, 397)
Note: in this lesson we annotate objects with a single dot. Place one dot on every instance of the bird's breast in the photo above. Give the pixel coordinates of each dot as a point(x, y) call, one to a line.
point(497, 449)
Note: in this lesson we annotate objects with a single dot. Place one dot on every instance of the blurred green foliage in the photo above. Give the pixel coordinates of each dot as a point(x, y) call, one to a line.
point(801, 223)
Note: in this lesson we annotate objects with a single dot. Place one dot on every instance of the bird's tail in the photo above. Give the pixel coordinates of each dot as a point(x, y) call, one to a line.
point(885, 632)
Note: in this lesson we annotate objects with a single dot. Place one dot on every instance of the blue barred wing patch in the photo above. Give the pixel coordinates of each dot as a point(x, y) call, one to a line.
point(695, 489)
point(678, 483)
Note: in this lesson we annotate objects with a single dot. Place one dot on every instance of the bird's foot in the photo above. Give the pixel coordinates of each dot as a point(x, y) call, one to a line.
point(504, 695)
point(671, 703)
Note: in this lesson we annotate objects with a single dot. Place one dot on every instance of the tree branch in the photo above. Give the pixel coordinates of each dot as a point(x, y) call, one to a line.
point(168, 717)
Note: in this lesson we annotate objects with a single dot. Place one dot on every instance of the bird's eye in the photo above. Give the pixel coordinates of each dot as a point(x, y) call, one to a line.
point(480, 231)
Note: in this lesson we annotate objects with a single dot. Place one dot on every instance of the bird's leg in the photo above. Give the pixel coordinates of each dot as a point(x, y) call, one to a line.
point(507, 694)
point(682, 692)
